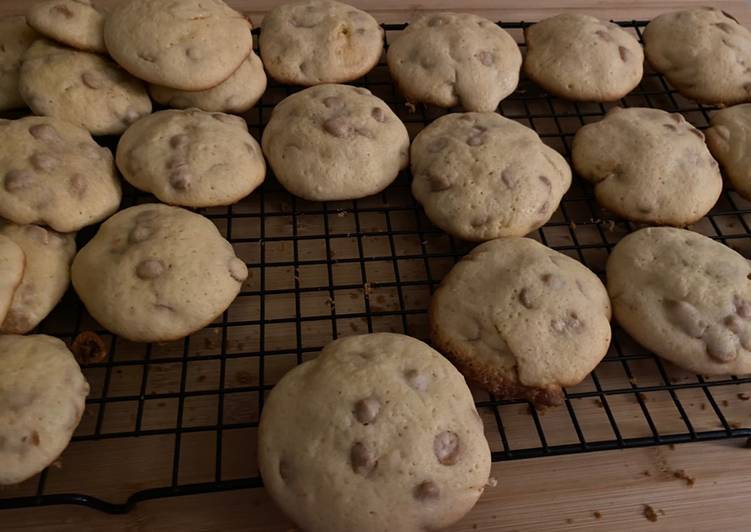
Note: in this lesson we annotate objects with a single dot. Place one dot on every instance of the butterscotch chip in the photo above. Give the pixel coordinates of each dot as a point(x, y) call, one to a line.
point(506, 292)
point(319, 41)
point(648, 165)
point(42, 396)
point(77, 23)
point(685, 297)
point(378, 443)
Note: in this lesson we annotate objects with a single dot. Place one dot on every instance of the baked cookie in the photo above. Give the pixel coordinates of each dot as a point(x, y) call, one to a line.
point(335, 142)
point(12, 267)
point(685, 297)
point(155, 273)
point(703, 52)
point(77, 23)
point(82, 88)
point(319, 41)
point(648, 166)
point(521, 319)
point(190, 45)
point(45, 279)
point(449, 59)
point(729, 140)
point(15, 37)
point(53, 173)
point(191, 158)
point(235, 95)
point(582, 58)
point(392, 439)
point(480, 176)
point(42, 398)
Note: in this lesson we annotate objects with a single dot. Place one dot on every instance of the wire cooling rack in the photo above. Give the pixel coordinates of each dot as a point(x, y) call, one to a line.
point(181, 417)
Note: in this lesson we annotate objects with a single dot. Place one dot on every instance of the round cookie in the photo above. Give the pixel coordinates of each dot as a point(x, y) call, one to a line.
point(53, 173)
point(237, 94)
point(82, 88)
point(15, 37)
point(191, 158)
point(648, 166)
point(319, 41)
point(42, 398)
point(12, 267)
point(703, 52)
point(521, 319)
point(582, 58)
point(391, 439)
point(45, 279)
point(729, 140)
point(335, 142)
point(480, 176)
point(77, 23)
point(190, 45)
point(685, 297)
point(449, 59)
point(155, 273)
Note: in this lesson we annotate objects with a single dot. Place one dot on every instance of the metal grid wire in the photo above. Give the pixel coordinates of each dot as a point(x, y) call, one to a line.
point(180, 417)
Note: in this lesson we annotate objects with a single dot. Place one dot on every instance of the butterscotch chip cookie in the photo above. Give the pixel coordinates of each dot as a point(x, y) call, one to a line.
point(53, 173)
point(335, 142)
point(685, 297)
point(480, 176)
point(190, 45)
point(12, 267)
point(42, 398)
point(77, 23)
point(154, 273)
point(45, 278)
point(235, 95)
point(192, 158)
point(392, 439)
point(703, 52)
point(648, 166)
point(319, 41)
point(449, 59)
point(82, 88)
point(729, 140)
point(521, 319)
point(15, 37)
point(582, 58)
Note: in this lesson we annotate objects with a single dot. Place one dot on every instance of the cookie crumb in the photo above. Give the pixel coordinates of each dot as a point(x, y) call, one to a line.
point(597, 515)
point(367, 290)
point(598, 403)
point(703, 406)
point(735, 425)
point(671, 447)
point(331, 303)
point(410, 107)
point(341, 213)
point(57, 464)
point(650, 513)
point(744, 396)
point(573, 226)
point(725, 402)
point(681, 474)
point(492, 482)
point(89, 348)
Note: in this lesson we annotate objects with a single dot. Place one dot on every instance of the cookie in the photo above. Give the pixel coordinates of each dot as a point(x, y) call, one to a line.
point(77, 23)
point(190, 45)
point(191, 158)
point(12, 267)
point(15, 37)
point(582, 58)
point(53, 173)
point(42, 398)
point(319, 41)
point(521, 319)
point(335, 142)
point(648, 166)
point(685, 297)
point(449, 59)
point(235, 95)
point(381, 431)
point(82, 88)
point(155, 273)
point(480, 176)
point(729, 141)
point(703, 52)
point(45, 279)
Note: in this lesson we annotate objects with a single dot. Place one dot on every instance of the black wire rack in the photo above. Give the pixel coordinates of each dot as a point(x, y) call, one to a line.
point(181, 417)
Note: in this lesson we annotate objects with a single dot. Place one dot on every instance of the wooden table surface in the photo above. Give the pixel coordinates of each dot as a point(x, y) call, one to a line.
point(596, 491)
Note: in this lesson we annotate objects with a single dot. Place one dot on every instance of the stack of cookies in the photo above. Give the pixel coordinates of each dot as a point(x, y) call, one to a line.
point(403, 445)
